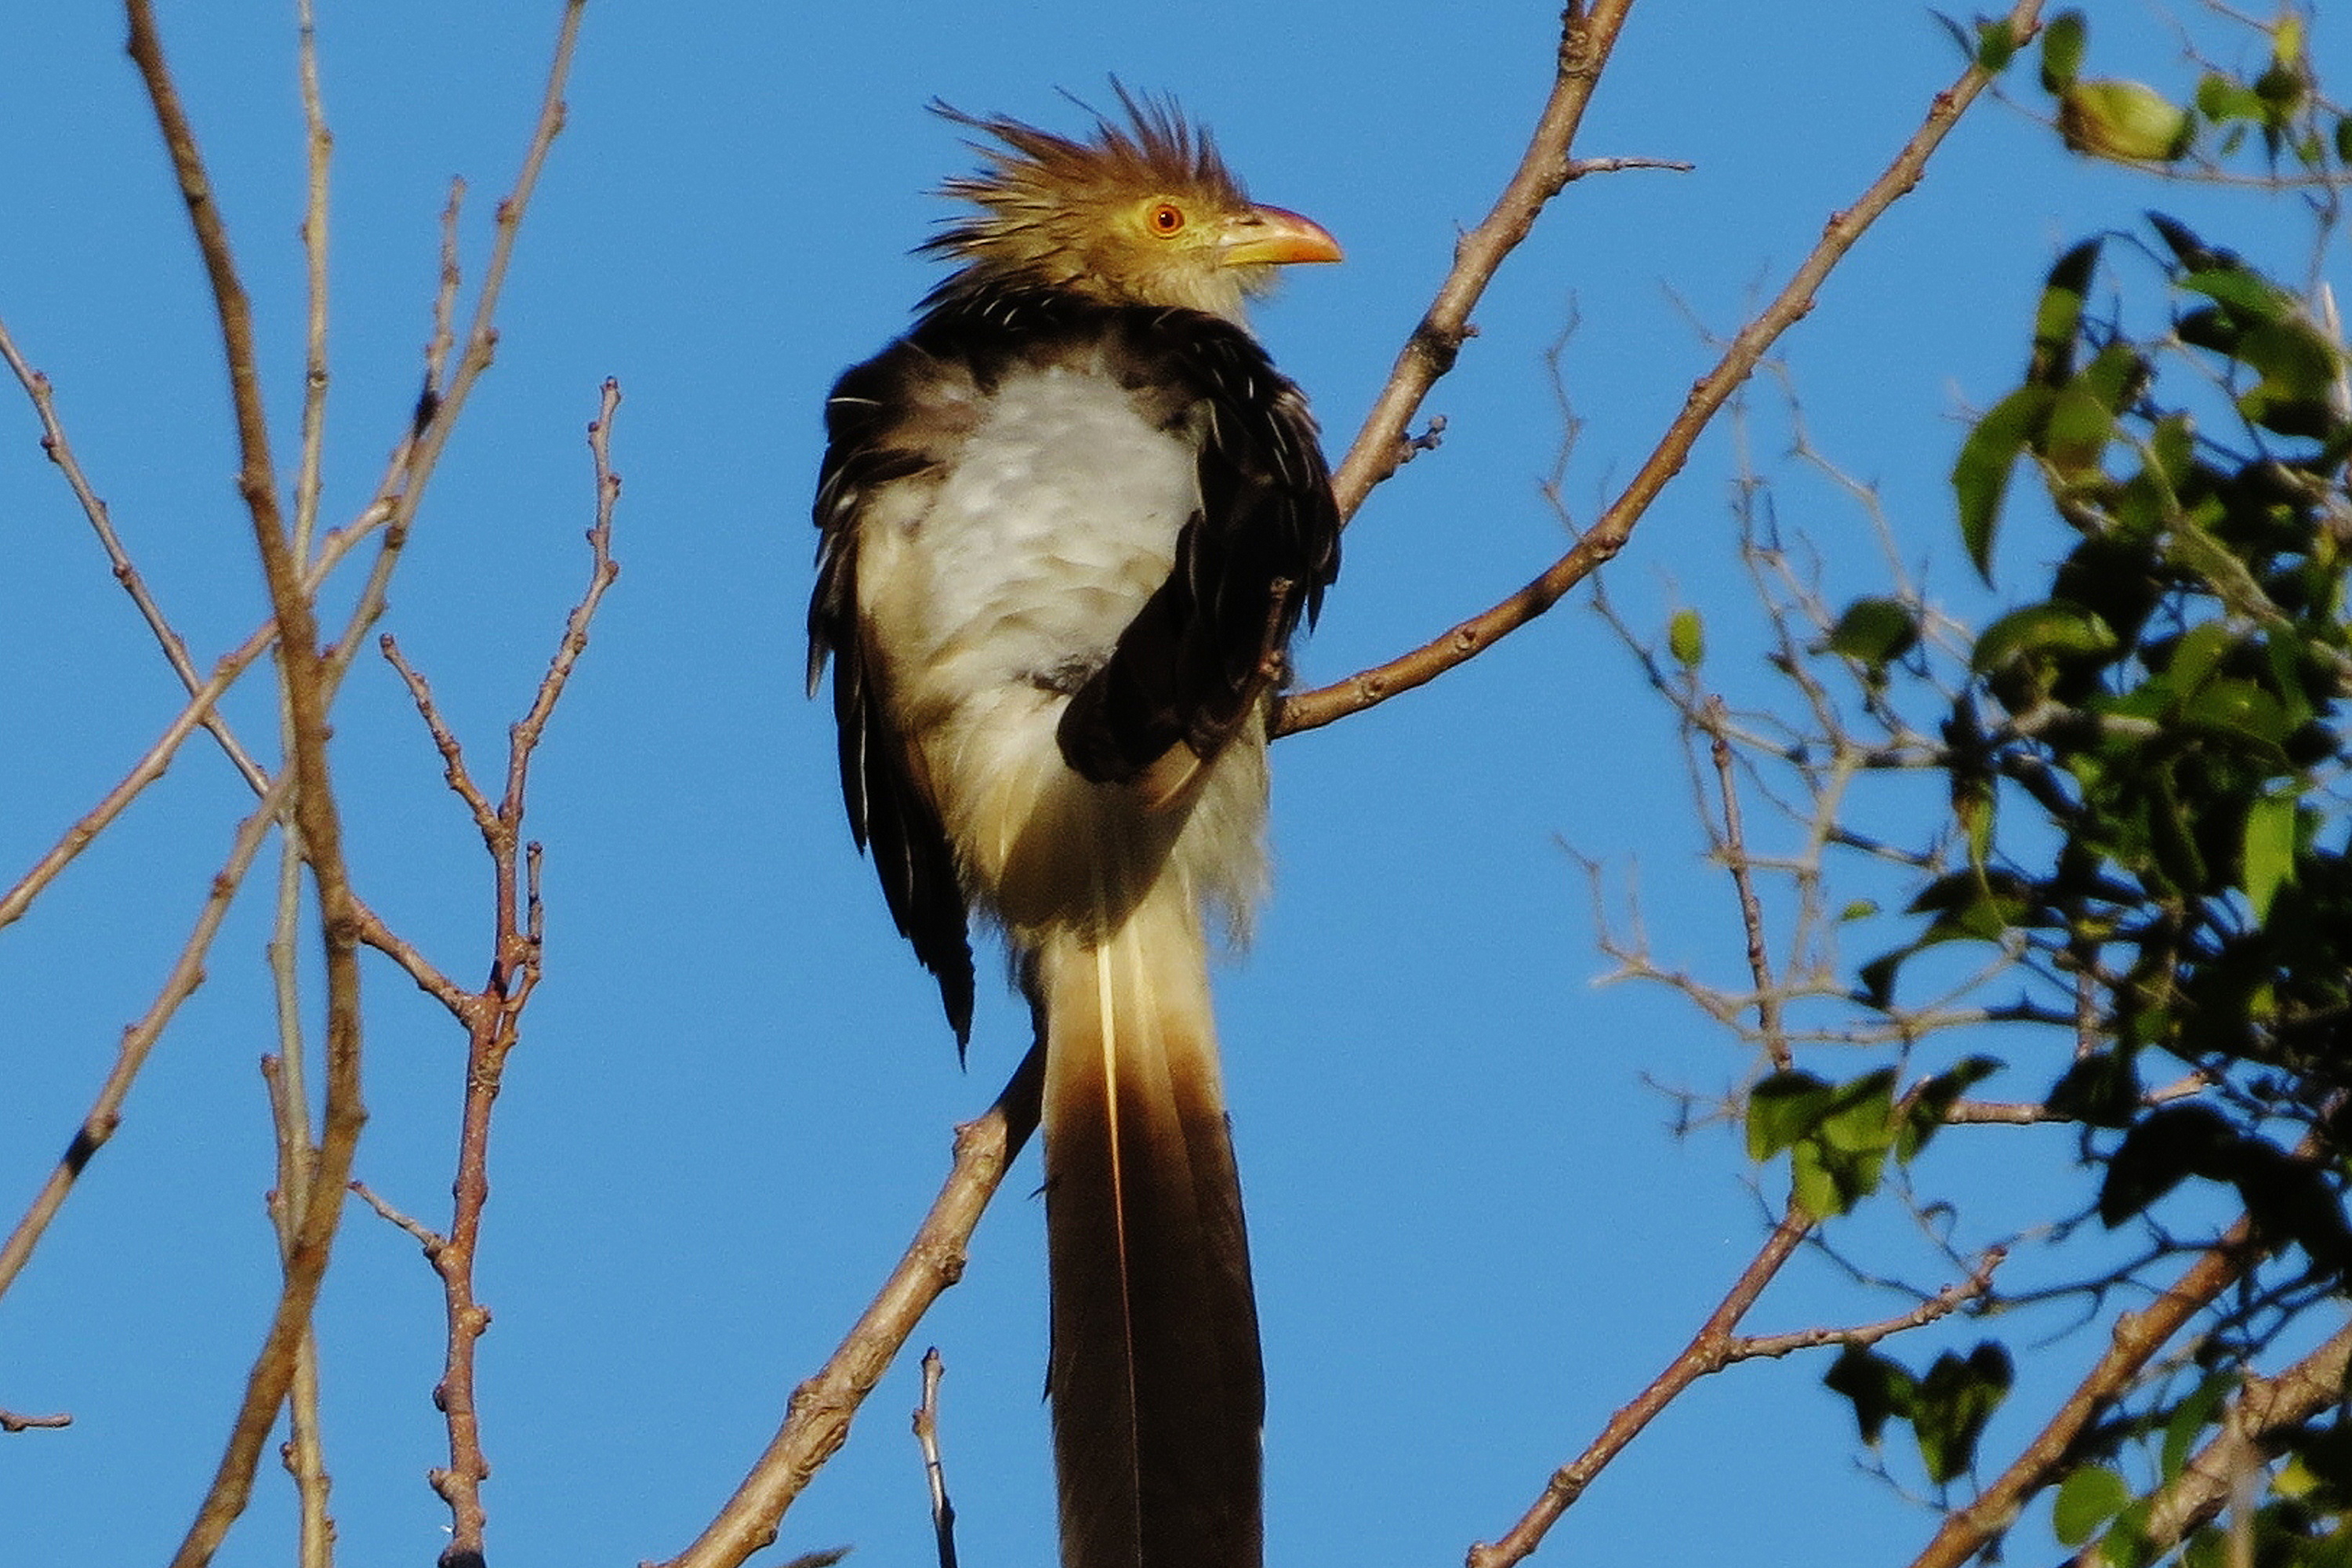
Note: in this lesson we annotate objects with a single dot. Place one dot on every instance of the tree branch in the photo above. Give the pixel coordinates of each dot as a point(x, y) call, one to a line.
point(105, 1115)
point(2264, 1409)
point(2138, 1336)
point(817, 1420)
point(1600, 543)
point(1380, 447)
point(1710, 1350)
point(493, 1016)
point(314, 809)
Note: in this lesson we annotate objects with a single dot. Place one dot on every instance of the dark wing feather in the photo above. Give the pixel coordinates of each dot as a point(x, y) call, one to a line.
point(890, 814)
point(1255, 557)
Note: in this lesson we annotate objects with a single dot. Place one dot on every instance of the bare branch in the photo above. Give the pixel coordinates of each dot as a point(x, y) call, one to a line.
point(313, 803)
point(1976, 1287)
point(1607, 536)
point(453, 755)
point(2138, 1336)
point(1381, 447)
point(493, 1016)
point(1751, 912)
point(425, 1237)
point(1715, 1347)
point(2265, 1408)
point(187, 972)
point(817, 1420)
point(60, 452)
point(10, 1421)
point(927, 1434)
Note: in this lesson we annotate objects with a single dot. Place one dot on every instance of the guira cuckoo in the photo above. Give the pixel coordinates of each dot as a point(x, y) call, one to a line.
point(1070, 521)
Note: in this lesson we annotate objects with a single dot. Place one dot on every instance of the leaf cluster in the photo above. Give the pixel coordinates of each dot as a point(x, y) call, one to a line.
point(2145, 768)
point(2169, 717)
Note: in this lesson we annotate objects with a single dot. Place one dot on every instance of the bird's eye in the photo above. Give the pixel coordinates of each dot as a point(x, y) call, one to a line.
point(1165, 218)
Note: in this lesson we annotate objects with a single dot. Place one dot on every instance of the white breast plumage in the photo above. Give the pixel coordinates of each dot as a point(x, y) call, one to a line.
point(1050, 528)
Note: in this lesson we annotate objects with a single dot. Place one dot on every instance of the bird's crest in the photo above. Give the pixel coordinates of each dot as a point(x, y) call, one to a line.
point(1141, 212)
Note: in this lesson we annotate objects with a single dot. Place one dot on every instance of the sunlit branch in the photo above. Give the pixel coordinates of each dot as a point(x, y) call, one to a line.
point(1600, 543)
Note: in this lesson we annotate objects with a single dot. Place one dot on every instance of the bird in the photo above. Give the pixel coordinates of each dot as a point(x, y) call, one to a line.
point(1069, 523)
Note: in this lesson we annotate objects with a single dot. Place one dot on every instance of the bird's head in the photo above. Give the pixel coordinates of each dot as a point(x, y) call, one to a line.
point(1140, 214)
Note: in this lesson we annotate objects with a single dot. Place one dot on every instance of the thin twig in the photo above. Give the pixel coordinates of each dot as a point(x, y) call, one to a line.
point(146, 770)
point(1381, 445)
point(1976, 1287)
point(1751, 912)
point(1600, 543)
point(10, 1421)
point(105, 1115)
point(453, 755)
point(61, 451)
point(1709, 1351)
point(425, 1237)
point(817, 1420)
point(318, 144)
point(304, 1453)
point(934, 1470)
point(493, 1016)
point(2137, 1337)
point(313, 803)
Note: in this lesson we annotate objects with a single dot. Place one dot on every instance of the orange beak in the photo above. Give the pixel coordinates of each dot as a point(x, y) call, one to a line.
point(1267, 236)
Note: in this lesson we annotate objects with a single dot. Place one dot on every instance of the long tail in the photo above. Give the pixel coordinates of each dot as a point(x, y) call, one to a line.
point(1159, 1394)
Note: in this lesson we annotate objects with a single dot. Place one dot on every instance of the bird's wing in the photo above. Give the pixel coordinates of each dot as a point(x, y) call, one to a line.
point(1254, 558)
point(891, 812)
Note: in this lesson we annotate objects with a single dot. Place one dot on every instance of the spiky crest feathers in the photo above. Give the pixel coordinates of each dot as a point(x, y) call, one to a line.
point(1137, 214)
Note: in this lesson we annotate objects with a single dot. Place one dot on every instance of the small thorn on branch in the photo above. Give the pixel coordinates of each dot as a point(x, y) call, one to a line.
point(1433, 436)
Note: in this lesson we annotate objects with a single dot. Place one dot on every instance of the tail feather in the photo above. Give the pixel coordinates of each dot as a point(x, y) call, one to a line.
point(1159, 1394)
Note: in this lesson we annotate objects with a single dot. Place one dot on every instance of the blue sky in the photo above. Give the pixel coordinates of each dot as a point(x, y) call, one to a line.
point(1475, 1235)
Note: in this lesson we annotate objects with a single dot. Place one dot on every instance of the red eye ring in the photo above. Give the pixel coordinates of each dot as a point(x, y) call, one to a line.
point(1165, 218)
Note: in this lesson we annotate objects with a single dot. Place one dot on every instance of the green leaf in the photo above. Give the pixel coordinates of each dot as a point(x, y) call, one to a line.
point(2129, 120)
point(2086, 1501)
point(1686, 639)
point(2126, 1544)
point(2238, 708)
point(2063, 39)
point(1813, 1185)
point(1955, 1400)
point(2294, 353)
point(2040, 631)
point(2186, 248)
point(1782, 1108)
point(1878, 1387)
point(2081, 424)
point(2187, 1426)
point(2344, 139)
point(1933, 1100)
point(1861, 1115)
point(1875, 631)
point(2269, 861)
point(2058, 315)
point(1876, 979)
point(1996, 45)
point(2251, 298)
point(1980, 473)
point(2222, 99)
point(2197, 654)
